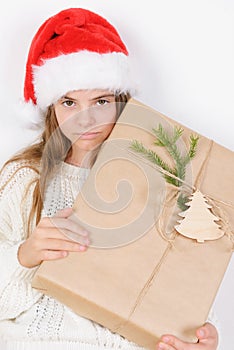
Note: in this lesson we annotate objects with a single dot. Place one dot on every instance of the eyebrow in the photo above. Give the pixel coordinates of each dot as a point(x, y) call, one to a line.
point(102, 96)
point(92, 99)
point(67, 98)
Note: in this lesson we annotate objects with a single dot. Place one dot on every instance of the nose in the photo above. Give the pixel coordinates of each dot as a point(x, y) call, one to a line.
point(86, 118)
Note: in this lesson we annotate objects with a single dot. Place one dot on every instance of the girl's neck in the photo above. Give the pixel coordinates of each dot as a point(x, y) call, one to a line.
point(82, 159)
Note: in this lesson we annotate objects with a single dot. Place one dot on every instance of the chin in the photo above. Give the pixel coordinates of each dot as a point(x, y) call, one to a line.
point(87, 145)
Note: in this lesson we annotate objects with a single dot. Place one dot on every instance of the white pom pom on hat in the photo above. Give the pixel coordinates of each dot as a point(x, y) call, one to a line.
point(74, 49)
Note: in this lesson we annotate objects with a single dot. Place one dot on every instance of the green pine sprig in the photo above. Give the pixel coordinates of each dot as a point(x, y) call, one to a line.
point(154, 158)
point(169, 142)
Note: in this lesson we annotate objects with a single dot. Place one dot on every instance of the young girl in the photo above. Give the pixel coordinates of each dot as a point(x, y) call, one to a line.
point(77, 81)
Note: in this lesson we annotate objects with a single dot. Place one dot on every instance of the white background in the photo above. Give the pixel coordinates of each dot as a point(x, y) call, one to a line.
point(184, 51)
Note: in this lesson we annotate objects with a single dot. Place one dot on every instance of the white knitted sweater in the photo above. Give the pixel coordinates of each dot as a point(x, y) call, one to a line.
point(29, 320)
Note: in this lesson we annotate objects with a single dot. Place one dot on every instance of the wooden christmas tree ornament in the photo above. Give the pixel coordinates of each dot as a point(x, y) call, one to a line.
point(198, 221)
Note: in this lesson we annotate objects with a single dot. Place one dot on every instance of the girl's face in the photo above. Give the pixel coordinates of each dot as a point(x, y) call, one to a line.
point(86, 117)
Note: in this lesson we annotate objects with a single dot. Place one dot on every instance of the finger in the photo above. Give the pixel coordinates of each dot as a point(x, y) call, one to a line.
point(207, 334)
point(55, 233)
point(63, 213)
point(46, 232)
point(69, 214)
point(170, 342)
point(74, 237)
point(163, 346)
point(63, 224)
point(47, 255)
point(69, 225)
point(206, 331)
point(59, 245)
point(202, 334)
point(74, 218)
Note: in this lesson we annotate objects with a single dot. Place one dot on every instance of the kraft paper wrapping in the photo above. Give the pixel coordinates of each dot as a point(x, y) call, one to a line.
point(139, 277)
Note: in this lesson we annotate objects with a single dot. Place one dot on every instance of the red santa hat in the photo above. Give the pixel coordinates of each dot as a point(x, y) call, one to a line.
point(74, 49)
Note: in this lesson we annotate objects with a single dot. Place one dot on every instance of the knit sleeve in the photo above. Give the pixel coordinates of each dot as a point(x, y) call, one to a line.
point(16, 293)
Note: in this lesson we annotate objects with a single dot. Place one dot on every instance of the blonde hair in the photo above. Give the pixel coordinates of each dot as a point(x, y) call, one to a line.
point(43, 157)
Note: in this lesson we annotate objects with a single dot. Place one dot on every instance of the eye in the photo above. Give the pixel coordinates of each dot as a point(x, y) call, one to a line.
point(102, 102)
point(68, 103)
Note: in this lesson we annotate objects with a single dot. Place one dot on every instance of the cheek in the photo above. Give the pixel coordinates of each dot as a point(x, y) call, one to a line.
point(105, 115)
point(65, 121)
point(107, 130)
point(62, 116)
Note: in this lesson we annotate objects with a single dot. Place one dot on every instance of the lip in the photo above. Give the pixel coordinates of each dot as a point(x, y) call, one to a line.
point(87, 135)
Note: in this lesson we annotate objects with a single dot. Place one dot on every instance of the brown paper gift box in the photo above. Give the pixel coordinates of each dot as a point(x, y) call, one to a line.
point(135, 279)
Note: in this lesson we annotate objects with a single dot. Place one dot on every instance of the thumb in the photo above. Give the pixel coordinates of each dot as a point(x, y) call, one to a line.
point(207, 331)
point(202, 333)
point(63, 213)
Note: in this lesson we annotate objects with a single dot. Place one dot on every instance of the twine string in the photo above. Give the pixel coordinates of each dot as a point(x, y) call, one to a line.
point(188, 188)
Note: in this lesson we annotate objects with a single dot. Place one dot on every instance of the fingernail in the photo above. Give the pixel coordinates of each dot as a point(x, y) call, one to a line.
point(166, 339)
point(82, 248)
point(161, 346)
point(201, 332)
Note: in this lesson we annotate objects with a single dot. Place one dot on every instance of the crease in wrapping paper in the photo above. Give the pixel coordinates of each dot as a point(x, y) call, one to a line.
point(196, 185)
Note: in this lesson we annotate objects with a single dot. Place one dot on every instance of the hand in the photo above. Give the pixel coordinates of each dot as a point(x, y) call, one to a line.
point(207, 340)
point(49, 241)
